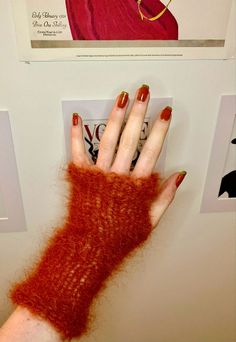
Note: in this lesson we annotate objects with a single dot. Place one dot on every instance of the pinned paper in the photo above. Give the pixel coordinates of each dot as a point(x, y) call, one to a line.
point(12, 218)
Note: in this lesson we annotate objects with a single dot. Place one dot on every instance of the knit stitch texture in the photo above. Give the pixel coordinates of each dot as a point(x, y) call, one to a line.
point(108, 217)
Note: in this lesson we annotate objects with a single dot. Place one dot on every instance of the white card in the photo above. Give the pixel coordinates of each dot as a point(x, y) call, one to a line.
point(220, 188)
point(12, 218)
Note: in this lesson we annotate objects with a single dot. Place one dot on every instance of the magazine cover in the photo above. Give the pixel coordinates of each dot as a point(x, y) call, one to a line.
point(95, 115)
point(118, 29)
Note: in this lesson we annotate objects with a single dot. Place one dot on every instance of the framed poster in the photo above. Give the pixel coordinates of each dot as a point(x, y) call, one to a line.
point(95, 114)
point(118, 29)
point(12, 217)
point(220, 188)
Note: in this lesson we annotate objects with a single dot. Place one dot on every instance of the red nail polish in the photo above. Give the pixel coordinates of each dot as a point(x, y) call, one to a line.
point(123, 99)
point(143, 93)
point(166, 113)
point(180, 178)
point(75, 119)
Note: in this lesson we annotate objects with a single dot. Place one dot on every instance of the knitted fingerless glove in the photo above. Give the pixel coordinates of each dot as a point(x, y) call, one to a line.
point(108, 217)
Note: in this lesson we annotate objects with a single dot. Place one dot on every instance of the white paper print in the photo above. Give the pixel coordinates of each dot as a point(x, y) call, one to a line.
point(12, 217)
point(131, 29)
point(220, 187)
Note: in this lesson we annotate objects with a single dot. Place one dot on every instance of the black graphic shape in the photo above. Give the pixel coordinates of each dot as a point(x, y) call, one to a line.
point(92, 151)
point(228, 183)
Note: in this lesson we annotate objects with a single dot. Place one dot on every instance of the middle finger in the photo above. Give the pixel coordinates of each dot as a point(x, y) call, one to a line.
point(111, 135)
point(131, 133)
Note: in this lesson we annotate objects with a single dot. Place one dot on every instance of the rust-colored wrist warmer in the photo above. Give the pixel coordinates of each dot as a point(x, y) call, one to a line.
point(108, 217)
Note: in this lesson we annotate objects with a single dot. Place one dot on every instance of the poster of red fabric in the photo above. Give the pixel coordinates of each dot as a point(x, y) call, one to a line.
point(130, 29)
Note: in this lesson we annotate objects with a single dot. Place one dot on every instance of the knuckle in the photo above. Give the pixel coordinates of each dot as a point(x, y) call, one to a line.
point(127, 142)
point(169, 196)
point(162, 127)
point(116, 116)
point(150, 153)
point(80, 160)
point(106, 145)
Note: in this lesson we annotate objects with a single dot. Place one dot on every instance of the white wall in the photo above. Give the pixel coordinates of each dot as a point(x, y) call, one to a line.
point(181, 287)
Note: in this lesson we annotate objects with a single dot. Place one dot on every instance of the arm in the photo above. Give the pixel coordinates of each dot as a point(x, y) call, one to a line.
point(22, 326)
point(97, 236)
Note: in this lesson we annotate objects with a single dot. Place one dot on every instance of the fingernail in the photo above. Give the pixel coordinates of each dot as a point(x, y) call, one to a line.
point(75, 119)
point(143, 93)
point(123, 99)
point(166, 113)
point(180, 178)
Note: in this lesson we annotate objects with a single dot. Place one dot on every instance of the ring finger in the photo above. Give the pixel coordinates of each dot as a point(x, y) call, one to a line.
point(153, 146)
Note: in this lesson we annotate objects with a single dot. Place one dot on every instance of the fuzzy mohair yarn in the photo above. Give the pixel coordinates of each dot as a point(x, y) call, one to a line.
point(108, 217)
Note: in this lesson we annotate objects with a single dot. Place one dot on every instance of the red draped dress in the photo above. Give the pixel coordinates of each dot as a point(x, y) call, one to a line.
point(119, 20)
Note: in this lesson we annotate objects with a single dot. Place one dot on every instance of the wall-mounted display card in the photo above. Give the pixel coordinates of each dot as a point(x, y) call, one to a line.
point(12, 218)
point(130, 29)
point(220, 187)
point(95, 114)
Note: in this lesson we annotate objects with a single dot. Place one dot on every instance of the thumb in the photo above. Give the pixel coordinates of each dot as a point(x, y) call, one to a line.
point(166, 195)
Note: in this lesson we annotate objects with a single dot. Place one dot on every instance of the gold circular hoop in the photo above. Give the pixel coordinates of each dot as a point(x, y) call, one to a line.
point(156, 16)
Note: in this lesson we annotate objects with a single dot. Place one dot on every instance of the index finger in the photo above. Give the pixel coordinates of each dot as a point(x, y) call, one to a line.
point(78, 152)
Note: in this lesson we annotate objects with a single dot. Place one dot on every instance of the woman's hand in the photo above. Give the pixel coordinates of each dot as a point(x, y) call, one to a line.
point(121, 163)
point(94, 268)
